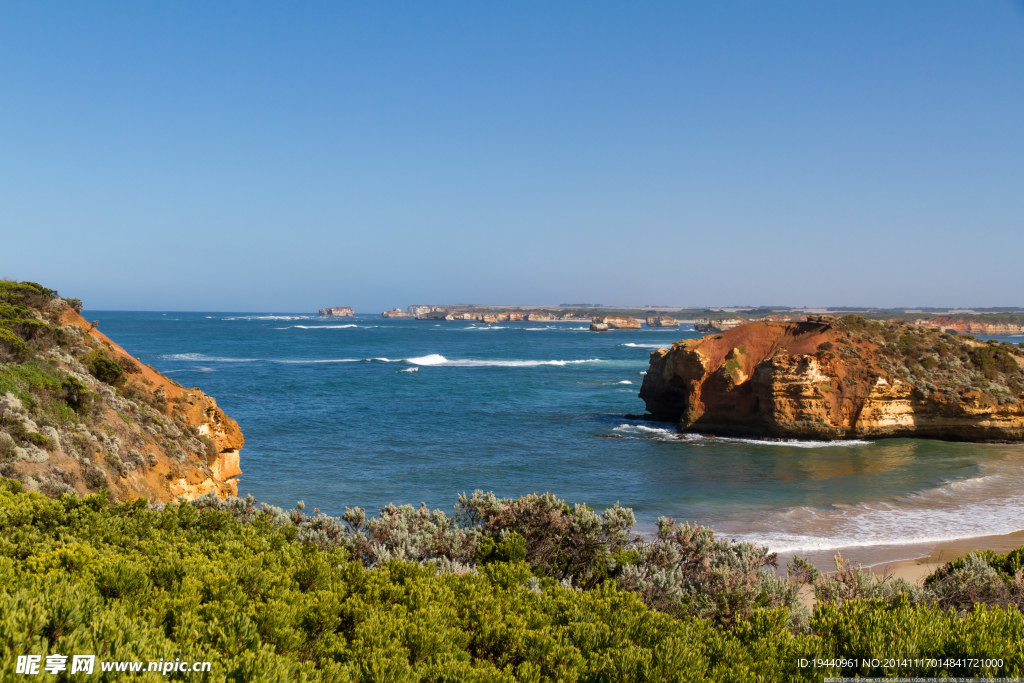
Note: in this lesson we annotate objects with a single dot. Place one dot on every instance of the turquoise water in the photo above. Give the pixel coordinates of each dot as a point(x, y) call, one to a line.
point(367, 411)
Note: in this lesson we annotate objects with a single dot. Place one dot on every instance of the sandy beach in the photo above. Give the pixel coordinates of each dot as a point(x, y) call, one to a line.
point(917, 570)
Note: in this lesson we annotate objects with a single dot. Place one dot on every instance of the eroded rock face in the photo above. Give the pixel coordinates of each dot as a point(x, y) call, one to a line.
point(338, 312)
point(616, 322)
point(838, 379)
point(102, 420)
point(397, 313)
point(188, 409)
point(709, 325)
point(963, 325)
point(662, 321)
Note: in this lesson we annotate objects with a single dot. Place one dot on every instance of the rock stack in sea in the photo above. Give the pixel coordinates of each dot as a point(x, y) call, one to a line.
point(603, 323)
point(397, 313)
point(337, 312)
point(835, 379)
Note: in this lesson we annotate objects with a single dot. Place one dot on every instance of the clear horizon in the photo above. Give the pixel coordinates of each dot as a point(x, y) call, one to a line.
point(258, 157)
point(719, 309)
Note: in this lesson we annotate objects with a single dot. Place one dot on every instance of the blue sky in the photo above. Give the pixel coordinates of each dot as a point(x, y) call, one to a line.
point(286, 156)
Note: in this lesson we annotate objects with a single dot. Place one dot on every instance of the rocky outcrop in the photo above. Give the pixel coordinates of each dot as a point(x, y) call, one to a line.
point(710, 326)
point(848, 378)
point(974, 325)
point(397, 313)
point(338, 312)
point(97, 418)
point(616, 322)
point(661, 321)
point(599, 327)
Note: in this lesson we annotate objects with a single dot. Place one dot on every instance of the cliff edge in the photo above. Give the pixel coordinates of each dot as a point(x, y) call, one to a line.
point(835, 379)
point(79, 414)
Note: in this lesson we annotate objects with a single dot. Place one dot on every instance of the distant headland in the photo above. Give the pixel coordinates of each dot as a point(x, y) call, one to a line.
point(1005, 321)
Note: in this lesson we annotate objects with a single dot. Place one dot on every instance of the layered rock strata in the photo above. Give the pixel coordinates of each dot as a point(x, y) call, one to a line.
point(338, 312)
point(397, 313)
point(848, 378)
point(972, 326)
point(710, 325)
point(615, 322)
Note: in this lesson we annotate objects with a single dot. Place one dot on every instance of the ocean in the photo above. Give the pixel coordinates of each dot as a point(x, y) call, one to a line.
point(366, 411)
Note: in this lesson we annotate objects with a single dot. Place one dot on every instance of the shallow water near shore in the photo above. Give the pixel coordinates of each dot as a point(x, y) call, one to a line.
point(367, 411)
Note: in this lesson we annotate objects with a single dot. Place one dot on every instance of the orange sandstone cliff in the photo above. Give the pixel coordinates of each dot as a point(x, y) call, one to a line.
point(79, 414)
point(834, 379)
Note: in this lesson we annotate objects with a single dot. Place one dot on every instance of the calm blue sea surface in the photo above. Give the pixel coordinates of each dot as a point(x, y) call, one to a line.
point(366, 411)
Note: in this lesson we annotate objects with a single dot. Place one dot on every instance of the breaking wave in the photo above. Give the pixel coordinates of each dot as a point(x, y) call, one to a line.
point(270, 317)
point(433, 359)
point(647, 431)
point(436, 359)
point(205, 358)
point(988, 504)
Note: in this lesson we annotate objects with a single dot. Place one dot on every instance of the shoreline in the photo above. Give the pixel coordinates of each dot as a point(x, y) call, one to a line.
point(916, 570)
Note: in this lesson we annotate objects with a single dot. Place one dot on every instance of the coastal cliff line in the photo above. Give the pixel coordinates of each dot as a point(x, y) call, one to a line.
point(79, 414)
point(836, 379)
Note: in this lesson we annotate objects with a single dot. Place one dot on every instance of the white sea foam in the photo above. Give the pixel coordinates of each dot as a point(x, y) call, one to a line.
point(302, 361)
point(485, 327)
point(439, 360)
point(205, 358)
point(270, 317)
point(700, 439)
point(793, 443)
point(643, 346)
point(430, 359)
point(433, 359)
point(624, 381)
point(323, 327)
point(988, 504)
point(410, 370)
point(647, 432)
point(554, 327)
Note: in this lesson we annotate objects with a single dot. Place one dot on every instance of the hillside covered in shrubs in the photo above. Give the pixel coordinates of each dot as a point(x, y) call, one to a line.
point(527, 589)
point(79, 414)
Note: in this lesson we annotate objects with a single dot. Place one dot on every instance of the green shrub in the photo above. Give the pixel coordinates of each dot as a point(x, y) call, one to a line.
point(12, 347)
point(196, 583)
point(103, 367)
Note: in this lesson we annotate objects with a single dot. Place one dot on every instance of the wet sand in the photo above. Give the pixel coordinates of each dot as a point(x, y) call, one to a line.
point(917, 570)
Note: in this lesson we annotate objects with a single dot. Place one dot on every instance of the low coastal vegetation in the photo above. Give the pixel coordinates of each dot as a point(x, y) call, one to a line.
point(935, 362)
point(527, 589)
point(78, 414)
